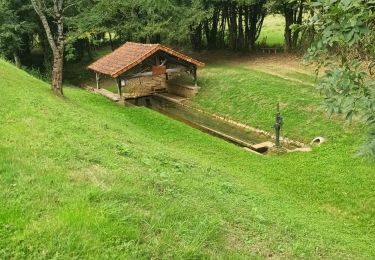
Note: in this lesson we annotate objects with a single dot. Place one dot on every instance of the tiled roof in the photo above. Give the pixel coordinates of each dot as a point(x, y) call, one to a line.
point(129, 55)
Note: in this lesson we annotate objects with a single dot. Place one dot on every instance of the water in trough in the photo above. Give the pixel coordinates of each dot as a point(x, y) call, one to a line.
point(207, 123)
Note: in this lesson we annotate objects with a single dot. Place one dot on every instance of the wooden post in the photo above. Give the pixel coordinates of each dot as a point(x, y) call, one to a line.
point(118, 81)
point(166, 72)
point(195, 76)
point(97, 76)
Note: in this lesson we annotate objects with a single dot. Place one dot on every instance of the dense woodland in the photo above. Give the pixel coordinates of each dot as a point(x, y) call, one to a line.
point(199, 24)
point(326, 30)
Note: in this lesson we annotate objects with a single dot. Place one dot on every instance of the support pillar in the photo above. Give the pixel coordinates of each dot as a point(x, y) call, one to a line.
point(97, 77)
point(119, 87)
point(195, 76)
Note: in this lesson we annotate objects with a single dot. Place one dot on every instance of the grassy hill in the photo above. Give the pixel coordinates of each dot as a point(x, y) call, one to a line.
point(83, 178)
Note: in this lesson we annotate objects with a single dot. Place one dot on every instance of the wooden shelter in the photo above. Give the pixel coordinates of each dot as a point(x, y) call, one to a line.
point(135, 60)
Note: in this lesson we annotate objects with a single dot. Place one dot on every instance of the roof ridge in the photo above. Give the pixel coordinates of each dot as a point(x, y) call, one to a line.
point(130, 54)
point(139, 43)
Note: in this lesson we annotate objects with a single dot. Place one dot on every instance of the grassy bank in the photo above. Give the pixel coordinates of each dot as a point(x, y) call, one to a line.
point(251, 96)
point(82, 177)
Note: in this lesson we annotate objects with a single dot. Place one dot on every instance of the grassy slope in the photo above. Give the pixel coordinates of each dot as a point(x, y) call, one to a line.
point(82, 177)
point(251, 96)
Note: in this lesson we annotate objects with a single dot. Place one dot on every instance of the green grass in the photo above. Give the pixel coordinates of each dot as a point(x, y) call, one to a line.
point(83, 178)
point(251, 96)
point(272, 33)
point(310, 79)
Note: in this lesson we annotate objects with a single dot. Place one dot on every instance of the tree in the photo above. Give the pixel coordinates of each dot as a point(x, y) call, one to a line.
point(344, 31)
point(233, 24)
point(293, 13)
point(10, 36)
point(55, 36)
point(17, 26)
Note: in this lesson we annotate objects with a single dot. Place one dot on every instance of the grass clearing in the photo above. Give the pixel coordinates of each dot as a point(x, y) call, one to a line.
point(272, 33)
point(84, 178)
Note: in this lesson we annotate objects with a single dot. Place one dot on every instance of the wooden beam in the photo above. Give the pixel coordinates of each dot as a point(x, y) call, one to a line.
point(175, 60)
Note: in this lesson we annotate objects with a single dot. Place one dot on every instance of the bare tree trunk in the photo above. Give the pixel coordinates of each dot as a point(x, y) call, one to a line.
point(288, 14)
point(17, 60)
point(240, 42)
point(299, 18)
point(110, 41)
point(293, 14)
point(56, 41)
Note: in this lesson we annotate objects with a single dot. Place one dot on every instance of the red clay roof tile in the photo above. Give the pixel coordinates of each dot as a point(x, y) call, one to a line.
point(129, 55)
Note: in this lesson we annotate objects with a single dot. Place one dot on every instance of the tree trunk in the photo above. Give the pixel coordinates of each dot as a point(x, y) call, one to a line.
point(56, 41)
point(221, 42)
point(214, 29)
point(17, 60)
point(293, 14)
point(196, 37)
point(247, 29)
point(57, 73)
point(240, 43)
point(288, 14)
point(111, 42)
point(299, 18)
point(232, 26)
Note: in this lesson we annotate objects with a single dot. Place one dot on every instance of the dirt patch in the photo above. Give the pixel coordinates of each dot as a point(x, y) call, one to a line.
point(283, 65)
point(94, 175)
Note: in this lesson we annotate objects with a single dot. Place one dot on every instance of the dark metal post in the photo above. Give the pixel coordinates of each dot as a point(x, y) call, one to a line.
point(278, 125)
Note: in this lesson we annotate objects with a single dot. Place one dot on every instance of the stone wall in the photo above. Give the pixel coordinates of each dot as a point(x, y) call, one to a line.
point(183, 91)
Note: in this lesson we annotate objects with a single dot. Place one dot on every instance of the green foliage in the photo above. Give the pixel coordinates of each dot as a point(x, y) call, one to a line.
point(15, 24)
point(348, 91)
point(345, 31)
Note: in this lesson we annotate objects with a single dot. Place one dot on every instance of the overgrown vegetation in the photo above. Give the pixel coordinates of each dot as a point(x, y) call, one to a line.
point(344, 33)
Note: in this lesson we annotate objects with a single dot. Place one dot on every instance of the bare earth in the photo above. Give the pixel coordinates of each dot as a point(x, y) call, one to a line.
point(279, 64)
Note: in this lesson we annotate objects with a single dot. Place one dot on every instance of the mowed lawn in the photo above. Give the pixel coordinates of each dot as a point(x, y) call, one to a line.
point(83, 178)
